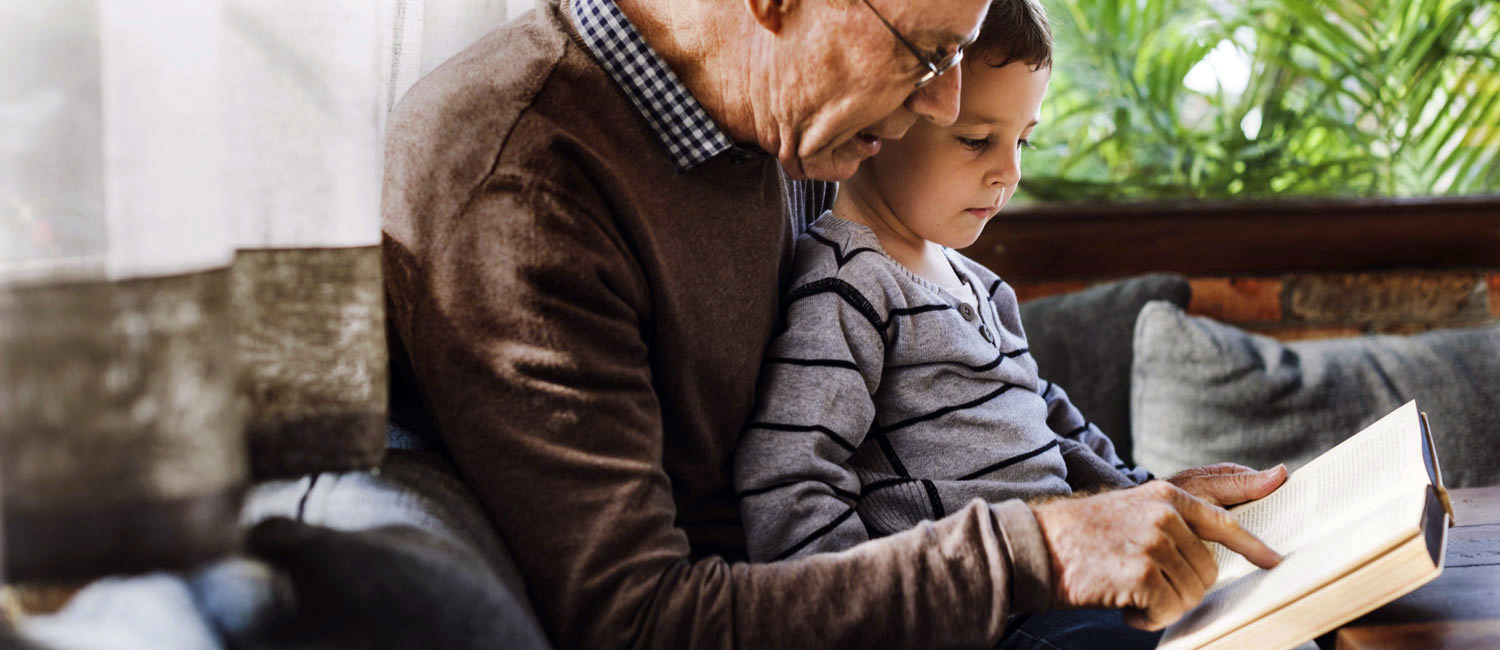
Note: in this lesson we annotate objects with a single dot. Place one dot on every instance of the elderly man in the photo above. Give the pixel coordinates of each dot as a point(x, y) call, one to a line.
point(588, 218)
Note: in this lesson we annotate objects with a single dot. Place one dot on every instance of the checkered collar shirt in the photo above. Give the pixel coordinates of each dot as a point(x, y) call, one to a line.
point(680, 122)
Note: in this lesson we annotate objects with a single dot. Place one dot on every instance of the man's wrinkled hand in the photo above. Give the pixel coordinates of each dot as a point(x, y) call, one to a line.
point(1227, 484)
point(1140, 550)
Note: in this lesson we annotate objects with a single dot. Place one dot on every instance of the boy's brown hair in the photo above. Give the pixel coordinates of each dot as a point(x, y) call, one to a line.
point(1013, 30)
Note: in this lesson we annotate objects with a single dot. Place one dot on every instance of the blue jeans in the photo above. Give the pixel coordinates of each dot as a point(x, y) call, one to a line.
point(1075, 629)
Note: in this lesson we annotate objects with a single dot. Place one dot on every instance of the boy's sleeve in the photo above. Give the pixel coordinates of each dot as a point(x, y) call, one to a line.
point(1090, 456)
point(1080, 439)
point(797, 494)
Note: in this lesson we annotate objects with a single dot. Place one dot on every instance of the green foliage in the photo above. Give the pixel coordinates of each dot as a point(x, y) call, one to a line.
point(1343, 98)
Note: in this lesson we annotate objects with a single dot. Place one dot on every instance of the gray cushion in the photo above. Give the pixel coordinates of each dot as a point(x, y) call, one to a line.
point(391, 587)
point(333, 531)
point(1205, 392)
point(399, 558)
point(1082, 342)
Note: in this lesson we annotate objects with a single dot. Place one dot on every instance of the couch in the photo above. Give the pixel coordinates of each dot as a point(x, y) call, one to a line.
point(403, 556)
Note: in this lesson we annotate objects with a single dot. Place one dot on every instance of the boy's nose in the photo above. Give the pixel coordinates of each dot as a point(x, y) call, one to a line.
point(1007, 171)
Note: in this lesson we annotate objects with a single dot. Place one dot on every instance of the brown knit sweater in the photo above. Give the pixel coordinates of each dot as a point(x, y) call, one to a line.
point(583, 326)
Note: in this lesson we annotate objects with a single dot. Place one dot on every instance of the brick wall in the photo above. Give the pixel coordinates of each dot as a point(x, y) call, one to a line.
point(1295, 306)
point(1293, 269)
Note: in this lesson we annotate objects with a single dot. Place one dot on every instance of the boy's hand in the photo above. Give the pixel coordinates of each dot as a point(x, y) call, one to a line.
point(1227, 484)
point(1141, 550)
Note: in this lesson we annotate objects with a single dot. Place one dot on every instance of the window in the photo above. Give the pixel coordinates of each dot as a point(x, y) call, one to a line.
point(1230, 99)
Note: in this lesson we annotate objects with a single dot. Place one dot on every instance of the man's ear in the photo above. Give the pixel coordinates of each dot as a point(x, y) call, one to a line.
point(771, 13)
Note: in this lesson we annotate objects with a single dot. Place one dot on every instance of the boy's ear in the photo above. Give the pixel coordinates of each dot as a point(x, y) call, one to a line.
point(771, 14)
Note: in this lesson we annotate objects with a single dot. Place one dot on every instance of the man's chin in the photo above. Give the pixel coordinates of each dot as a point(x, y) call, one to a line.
point(832, 165)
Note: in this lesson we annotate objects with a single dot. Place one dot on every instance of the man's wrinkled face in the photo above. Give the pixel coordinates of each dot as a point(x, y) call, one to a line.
point(846, 84)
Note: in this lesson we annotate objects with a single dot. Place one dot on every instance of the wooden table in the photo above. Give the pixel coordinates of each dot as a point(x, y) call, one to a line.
point(1461, 608)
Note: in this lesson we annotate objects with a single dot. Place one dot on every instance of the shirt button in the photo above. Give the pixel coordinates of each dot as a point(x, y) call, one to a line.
point(966, 310)
point(985, 332)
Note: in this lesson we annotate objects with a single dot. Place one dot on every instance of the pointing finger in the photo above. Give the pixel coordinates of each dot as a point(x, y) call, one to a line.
point(1215, 525)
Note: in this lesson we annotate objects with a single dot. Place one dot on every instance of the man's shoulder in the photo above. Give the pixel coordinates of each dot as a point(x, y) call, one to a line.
point(529, 77)
point(487, 85)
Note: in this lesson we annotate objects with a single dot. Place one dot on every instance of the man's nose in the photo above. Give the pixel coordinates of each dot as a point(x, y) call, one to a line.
point(938, 101)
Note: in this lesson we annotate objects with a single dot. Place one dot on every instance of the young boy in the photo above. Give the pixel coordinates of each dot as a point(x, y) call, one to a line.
point(901, 388)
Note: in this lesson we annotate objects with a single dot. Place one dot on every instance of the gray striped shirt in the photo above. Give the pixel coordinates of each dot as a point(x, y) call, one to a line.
point(886, 401)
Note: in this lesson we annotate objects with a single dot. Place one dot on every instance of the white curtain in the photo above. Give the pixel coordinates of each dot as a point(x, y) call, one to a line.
point(141, 138)
point(144, 145)
point(110, 141)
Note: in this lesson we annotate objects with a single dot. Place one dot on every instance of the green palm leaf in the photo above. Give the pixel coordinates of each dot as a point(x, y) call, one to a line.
point(1344, 97)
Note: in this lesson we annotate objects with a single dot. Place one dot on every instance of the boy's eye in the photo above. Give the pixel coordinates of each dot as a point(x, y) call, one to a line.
point(975, 144)
point(1023, 143)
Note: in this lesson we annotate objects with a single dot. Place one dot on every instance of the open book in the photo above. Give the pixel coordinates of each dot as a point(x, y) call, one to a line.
point(1359, 526)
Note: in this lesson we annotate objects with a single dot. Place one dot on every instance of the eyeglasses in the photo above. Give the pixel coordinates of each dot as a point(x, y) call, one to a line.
point(936, 63)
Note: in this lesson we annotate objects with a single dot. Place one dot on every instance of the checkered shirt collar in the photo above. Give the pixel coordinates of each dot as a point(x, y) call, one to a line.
point(680, 122)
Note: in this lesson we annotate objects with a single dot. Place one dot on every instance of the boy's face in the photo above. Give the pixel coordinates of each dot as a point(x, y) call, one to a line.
point(944, 183)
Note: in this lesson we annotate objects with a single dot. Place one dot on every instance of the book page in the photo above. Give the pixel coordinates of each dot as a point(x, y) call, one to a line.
point(1312, 565)
point(1344, 484)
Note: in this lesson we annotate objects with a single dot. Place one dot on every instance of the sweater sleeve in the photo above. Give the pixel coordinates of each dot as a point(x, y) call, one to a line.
point(523, 325)
point(1080, 439)
point(1090, 456)
point(797, 492)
